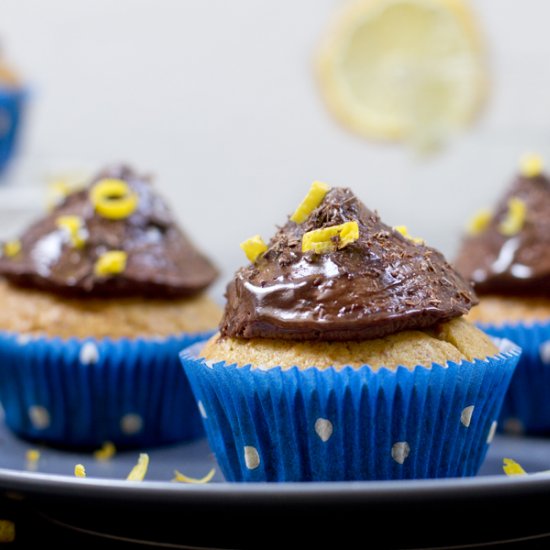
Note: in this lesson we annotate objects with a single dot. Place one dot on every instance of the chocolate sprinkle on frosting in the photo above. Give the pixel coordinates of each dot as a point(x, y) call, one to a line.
point(378, 285)
point(517, 264)
point(161, 261)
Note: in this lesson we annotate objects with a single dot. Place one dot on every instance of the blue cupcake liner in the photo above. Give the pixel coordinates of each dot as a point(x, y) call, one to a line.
point(350, 424)
point(12, 102)
point(82, 393)
point(526, 406)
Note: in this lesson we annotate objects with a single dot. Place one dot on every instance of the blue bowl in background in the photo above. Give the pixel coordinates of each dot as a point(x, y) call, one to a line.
point(12, 103)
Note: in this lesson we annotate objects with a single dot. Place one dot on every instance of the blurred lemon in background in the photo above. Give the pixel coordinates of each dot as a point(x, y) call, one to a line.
point(407, 70)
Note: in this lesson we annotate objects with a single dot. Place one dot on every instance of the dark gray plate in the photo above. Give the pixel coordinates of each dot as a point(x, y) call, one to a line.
point(425, 514)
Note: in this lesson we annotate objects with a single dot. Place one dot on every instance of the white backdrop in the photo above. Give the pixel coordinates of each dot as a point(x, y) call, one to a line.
point(217, 98)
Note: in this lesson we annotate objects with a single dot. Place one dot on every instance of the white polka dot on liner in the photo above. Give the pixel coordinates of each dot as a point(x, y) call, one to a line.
point(39, 417)
point(131, 423)
point(544, 352)
point(202, 410)
point(23, 339)
point(324, 429)
point(514, 426)
point(492, 431)
point(466, 415)
point(89, 354)
point(400, 451)
point(251, 457)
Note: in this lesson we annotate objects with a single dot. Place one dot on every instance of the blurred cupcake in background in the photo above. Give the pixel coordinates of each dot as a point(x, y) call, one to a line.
point(12, 102)
point(506, 254)
point(98, 298)
point(343, 354)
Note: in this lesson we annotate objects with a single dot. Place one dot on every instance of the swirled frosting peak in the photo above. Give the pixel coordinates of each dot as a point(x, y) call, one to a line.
point(116, 237)
point(351, 277)
point(509, 251)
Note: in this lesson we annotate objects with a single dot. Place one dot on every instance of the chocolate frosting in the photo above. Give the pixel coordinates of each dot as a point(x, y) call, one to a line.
point(378, 285)
point(518, 264)
point(161, 260)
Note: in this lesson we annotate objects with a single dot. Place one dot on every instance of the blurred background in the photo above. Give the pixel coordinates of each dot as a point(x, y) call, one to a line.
point(221, 102)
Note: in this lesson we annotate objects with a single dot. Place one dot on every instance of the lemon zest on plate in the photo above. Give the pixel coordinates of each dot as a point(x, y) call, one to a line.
point(32, 455)
point(178, 476)
point(79, 470)
point(107, 451)
point(7, 531)
point(512, 468)
point(138, 472)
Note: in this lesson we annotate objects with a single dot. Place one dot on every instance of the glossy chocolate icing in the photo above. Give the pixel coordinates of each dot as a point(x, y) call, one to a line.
point(518, 264)
point(161, 260)
point(378, 285)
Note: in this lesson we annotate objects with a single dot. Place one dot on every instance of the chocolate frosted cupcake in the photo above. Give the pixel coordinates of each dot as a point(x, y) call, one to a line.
point(343, 354)
point(13, 99)
point(506, 254)
point(99, 296)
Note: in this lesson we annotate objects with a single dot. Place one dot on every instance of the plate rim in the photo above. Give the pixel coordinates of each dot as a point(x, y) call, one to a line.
point(14, 482)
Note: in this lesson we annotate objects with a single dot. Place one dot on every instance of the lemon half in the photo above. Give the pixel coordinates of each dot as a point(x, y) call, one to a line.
point(410, 70)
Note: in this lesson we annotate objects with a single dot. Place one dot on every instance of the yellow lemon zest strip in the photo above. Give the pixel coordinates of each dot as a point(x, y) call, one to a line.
point(74, 226)
point(113, 199)
point(178, 476)
point(531, 165)
point(312, 200)
point(112, 262)
point(107, 451)
point(32, 455)
point(479, 222)
point(140, 469)
point(12, 248)
point(402, 229)
point(515, 218)
point(330, 238)
point(512, 468)
point(79, 470)
point(7, 530)
point(254, 247)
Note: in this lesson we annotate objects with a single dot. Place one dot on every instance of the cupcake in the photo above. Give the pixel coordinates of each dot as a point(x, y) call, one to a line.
point(98, 298)
point(343, 354)
point(506, 254)
point(12, 104)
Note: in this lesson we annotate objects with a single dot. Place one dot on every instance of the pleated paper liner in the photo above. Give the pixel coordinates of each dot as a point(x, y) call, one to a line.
point(82, 393)
point(350, 424)
point(526, 406)
point(12, 107)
